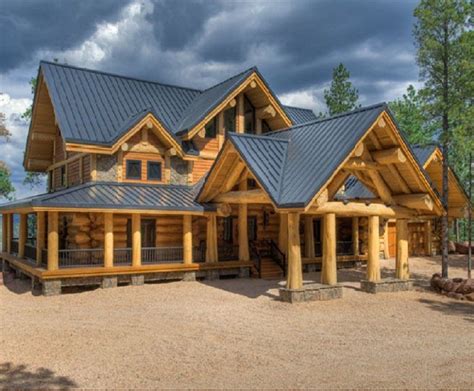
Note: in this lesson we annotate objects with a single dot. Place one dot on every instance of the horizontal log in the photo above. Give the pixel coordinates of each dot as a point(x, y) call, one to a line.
point(354, 209)
point(389, 156)
point(265, 112)
point(415, 201)
point(360, 164)
point(243, 197)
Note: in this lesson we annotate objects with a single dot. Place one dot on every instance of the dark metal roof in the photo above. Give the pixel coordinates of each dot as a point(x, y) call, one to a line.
point(299, 115)
point(422, 153)
point(312, 152)
point(110, 195)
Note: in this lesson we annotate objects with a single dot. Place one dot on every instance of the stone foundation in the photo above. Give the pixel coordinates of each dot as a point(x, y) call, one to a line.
point(189, 276)
point(138, 279)
point(52, 287)
point(311, 292)
point(212, 275)
point(244, 272)
point(386, 285)
point(109, 282)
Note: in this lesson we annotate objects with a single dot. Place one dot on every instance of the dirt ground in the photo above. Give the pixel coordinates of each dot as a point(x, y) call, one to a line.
point(235, 334)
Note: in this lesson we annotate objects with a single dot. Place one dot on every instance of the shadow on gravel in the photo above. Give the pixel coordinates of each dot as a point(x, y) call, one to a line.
point(248, 287)
point(452, 308)
point(16, 285)
point(19, 377)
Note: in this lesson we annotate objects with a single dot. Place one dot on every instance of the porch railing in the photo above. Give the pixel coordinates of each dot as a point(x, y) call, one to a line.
point(81, 257)
point(14, 246)
point(278, 256)
point(123, 256)
point(228, 252)
point(154, 255)
point(30, 252)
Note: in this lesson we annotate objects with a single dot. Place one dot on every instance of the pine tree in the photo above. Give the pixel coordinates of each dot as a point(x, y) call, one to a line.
point(439, 36)
point(341, 96)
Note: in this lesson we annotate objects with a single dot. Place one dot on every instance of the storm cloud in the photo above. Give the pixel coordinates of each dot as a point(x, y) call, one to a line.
point(295, 44)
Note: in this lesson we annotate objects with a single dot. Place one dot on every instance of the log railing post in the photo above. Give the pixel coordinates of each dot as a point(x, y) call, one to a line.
point(295, 273)
point(244, 254)
point(355, 236)
point(211, 239)
point(373, 259)
point(329, 266)
point(4, 232)
point(40, 236)
point(308, 236)
point(402, 271)
point(108, 239)
point(136, 240)
point(187, 239)
point(53, 241)
point(22, 234)
point(283, 233)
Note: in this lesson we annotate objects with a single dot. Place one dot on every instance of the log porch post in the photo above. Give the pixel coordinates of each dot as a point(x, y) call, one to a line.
point(240, 119)
point(108, 239)
point(244, 255)
point(9, 232)
point(373, 260)
point(211, 239)
point(308, 236)
point(402, 271)
point(283, 233)
point(4, 232)
point(40, 233)
point(355, 236)
point(136, 240)
point(428, 238)
point(295, 273)
point(23, 233)
point(53, 241)
point(329, 266)
point(187, 239)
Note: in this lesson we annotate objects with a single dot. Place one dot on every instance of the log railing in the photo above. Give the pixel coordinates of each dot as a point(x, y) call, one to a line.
point(30, 252)
point(122, 256)
point(81, 258)
point(154, 255)
point(278, 256)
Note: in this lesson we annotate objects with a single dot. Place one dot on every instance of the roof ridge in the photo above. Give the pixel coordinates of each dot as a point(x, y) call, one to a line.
point(257, 136)
point(118, 75)
point(360, 109)
point(253, 68)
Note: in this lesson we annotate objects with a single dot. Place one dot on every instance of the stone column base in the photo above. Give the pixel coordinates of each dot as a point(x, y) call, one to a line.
point(212, 275)
point(244, 272)
point(311, 292)
point(52, 288)
point(138, 279)
point(189, 276)
point(109, 282)
point(386, 285)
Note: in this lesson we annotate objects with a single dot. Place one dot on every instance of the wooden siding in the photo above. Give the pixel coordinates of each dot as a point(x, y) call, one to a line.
point(200, 168)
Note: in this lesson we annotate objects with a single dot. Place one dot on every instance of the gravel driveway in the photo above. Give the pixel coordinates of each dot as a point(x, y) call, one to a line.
point(234, 334)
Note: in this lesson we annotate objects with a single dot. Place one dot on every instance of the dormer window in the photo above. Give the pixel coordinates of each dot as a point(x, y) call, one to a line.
point(211, 129)
point(154, 171)
point(249, 115)
point(134, 169)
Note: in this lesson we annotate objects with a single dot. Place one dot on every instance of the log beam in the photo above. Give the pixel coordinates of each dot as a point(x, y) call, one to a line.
point(357, 163)
point(254, 196)
point(211, 239)
point(402, 271)
point(295, 273)
point(136, 240)
point(233, 176)
point(358, 209)
point(421, 201)
point(53, 241)
point(373, 257)
point(108, 239)
point(329, 266)
point(22, 234)
point(187, 239)
point(40, 236)
point(265, 112)
point(389, 156)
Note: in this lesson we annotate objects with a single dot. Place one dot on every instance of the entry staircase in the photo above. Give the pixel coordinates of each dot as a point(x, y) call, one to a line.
point(269, 261)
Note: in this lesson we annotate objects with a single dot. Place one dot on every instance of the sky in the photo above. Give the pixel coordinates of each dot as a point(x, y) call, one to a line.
point(295, 44)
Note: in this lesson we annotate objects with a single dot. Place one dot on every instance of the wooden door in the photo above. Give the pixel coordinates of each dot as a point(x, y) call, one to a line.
point(148, 228)
point(392, 239)
point(416, 239)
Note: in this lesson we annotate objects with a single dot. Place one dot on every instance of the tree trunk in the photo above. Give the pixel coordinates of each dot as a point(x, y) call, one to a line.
point(444, 219)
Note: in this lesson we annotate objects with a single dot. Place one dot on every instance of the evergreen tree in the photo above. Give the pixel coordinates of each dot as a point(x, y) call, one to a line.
point(341, 96)
point(6, 187)
point(439, 35)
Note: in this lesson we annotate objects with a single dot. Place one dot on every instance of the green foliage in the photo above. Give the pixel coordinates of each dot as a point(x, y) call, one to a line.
point(33, 179)
point(6, 187)
point(411, 118)
point(28, 112)
point(341, 96)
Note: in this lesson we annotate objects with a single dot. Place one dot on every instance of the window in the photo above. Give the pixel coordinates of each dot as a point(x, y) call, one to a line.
point(252, 227)
point(228, 229)
point(211, 129)
point(154, 171)
point(265, 127)
point(249, 117)
point(63, 176)
point(134, 169)
point(229, 120)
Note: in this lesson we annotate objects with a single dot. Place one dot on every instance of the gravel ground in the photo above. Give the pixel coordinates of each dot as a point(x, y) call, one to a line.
point(234, 334)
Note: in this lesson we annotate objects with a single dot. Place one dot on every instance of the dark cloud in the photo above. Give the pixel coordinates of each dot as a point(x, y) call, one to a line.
point(30, 25)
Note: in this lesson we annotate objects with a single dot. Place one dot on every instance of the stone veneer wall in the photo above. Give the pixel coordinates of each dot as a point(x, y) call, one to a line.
point(106, 168)
point(179, 171)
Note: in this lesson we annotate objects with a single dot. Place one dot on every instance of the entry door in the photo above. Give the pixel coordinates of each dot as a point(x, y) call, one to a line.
point(148, 228)
point(392, 239)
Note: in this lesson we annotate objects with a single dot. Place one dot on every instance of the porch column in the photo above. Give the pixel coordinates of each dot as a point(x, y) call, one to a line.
point(187, 239)
point(211, 239)
point(244, 255)
point(136, 240)
point(373, 260)
point(295, 273)
point(40, 232)
point(22, 234)
point(329, 266)
point(53, 241)
point(240, 122)
point(283, 233)
point(428, 238)
point(9, 232)
point(4, 232)
point(355, 236)
point(308, 236)
point(108, 239)
point(402, 271)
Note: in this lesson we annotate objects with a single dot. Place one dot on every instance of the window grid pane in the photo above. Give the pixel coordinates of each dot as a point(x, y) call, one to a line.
point(154, 171)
